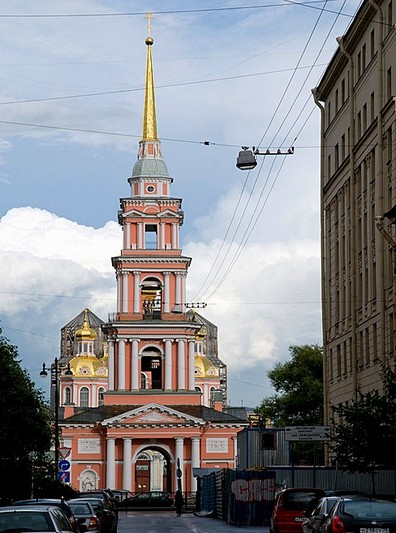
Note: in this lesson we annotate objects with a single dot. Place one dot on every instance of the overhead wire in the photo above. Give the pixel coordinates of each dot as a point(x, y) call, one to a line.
point(255, 217)
point(206, 294)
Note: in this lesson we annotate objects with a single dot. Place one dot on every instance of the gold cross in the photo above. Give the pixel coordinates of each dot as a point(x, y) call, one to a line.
point(149, 16)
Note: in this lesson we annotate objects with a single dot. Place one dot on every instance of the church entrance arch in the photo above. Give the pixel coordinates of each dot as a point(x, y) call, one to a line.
point(152, 470)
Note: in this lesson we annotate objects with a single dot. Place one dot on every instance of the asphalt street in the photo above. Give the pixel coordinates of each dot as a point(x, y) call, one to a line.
point(160, 521)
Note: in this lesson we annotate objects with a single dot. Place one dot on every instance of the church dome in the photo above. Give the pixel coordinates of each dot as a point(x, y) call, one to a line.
point(86, 332)
point(88, 366)
point(204, 367)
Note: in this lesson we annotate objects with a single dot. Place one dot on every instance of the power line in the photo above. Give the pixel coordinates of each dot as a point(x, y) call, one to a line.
point(142, 13)
point(170, 85)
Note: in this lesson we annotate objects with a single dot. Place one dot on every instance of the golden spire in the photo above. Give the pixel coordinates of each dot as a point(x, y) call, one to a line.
point(149, 113)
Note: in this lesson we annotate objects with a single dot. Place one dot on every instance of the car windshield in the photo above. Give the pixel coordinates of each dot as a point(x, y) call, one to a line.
point(298, 500)
point(80, 508)
point(370, 509)
point(25, 521)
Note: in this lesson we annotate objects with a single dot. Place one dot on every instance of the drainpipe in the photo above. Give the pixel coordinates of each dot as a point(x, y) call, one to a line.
point(323, 259)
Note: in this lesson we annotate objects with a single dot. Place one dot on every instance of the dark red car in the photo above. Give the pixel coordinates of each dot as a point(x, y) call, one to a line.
point(290, 508)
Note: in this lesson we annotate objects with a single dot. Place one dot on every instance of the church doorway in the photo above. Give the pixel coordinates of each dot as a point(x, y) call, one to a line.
point(152, 471)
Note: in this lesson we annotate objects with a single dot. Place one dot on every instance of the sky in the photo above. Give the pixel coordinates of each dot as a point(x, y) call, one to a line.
point(228, 74)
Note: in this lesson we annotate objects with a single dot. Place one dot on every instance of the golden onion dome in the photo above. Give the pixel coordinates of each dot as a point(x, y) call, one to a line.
point(204, 367)
point(88, 366)
point(86, 332)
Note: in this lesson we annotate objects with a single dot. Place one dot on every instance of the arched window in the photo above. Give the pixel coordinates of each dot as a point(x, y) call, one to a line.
point(100, 395)
point(198, 389)
point(67, 395)
point(84, 397)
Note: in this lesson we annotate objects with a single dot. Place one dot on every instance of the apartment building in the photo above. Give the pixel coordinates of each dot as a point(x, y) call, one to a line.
point(356, 97)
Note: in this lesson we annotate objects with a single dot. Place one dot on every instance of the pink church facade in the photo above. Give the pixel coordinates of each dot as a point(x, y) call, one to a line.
point(160, 412)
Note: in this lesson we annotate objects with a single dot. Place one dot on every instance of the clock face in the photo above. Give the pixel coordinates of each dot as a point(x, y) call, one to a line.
point(150, 188)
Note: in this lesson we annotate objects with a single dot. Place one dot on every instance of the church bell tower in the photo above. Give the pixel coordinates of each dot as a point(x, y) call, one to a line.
point(150, 336)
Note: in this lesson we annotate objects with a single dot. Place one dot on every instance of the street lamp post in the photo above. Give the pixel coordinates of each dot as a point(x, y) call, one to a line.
point(246, 159)
point(55, 382)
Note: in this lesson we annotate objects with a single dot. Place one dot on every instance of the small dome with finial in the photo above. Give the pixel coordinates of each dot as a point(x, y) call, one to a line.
point(86, 332)
point(149, 41)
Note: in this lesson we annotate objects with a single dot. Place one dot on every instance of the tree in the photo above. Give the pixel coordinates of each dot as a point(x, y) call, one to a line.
point(299, 402)
point(300, 384)
point(364, 435)
point(25, 425)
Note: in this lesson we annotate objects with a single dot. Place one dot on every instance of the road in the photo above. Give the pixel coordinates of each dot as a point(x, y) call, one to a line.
point(160, 521)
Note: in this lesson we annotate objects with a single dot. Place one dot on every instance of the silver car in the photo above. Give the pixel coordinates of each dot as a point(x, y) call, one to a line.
point(83, 510)
point(36, 518)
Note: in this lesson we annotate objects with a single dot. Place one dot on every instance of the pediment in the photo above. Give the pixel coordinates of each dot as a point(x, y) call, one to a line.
point(153, 415)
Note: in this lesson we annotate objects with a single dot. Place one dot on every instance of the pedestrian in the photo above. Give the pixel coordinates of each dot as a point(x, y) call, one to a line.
point(179, 502)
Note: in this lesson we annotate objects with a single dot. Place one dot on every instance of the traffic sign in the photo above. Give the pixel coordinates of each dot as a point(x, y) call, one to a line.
point(297, 433)
point(64, 452)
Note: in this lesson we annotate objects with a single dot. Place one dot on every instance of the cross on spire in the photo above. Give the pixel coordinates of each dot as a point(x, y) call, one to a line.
point(149, 16)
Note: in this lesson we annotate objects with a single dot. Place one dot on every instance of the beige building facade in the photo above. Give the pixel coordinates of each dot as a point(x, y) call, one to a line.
point(356, 96)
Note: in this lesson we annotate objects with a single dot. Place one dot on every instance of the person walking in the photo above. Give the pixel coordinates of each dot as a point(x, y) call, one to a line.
point(179, 502)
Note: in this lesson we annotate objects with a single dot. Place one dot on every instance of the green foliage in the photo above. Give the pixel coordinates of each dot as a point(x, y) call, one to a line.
point(299, 398)
point(299, 384)
point(24, 424)
point(364, 435)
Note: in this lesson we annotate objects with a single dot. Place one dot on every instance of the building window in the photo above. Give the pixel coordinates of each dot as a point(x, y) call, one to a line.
point(150, 234)
point(343, 147)
point(372, 44)
point(364, 118)
point(372, 107)
point(359, 65)
point(68, 395)
point(364, 57)
point(336, 157)
point(390, 15)
point(343, 96)
point(100, 396)
point(84, 397)
point(336, 100)
point(389, 83)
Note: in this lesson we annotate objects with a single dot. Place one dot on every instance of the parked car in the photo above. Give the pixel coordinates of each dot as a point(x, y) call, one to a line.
point(84, 510)
point(313, 522)
point(120, 495)
point(290, 504)
point(361, 515)
point(62, 504)
point(36, 518)
point(107, 517)
point(155, 498)
point(103, 494)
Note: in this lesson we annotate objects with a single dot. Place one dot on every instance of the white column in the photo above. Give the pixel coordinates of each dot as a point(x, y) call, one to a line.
point(111, 366)
point(127, 236)
point(166, 292)
point(127, 465)
point(183, 287)
point(195, 460)
point(135, 365)
point(181, 381)
point(75, 398)
point(178, 289)
point(94, 396)
point(162, 236)
point(206, 396)
point(168, 364)
point(140, 235)
point(125, 292)
point(179, 455)
point(110, 464)
point(136, 292)
point(191, 365)
point(121, 365)
point(118, 278)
